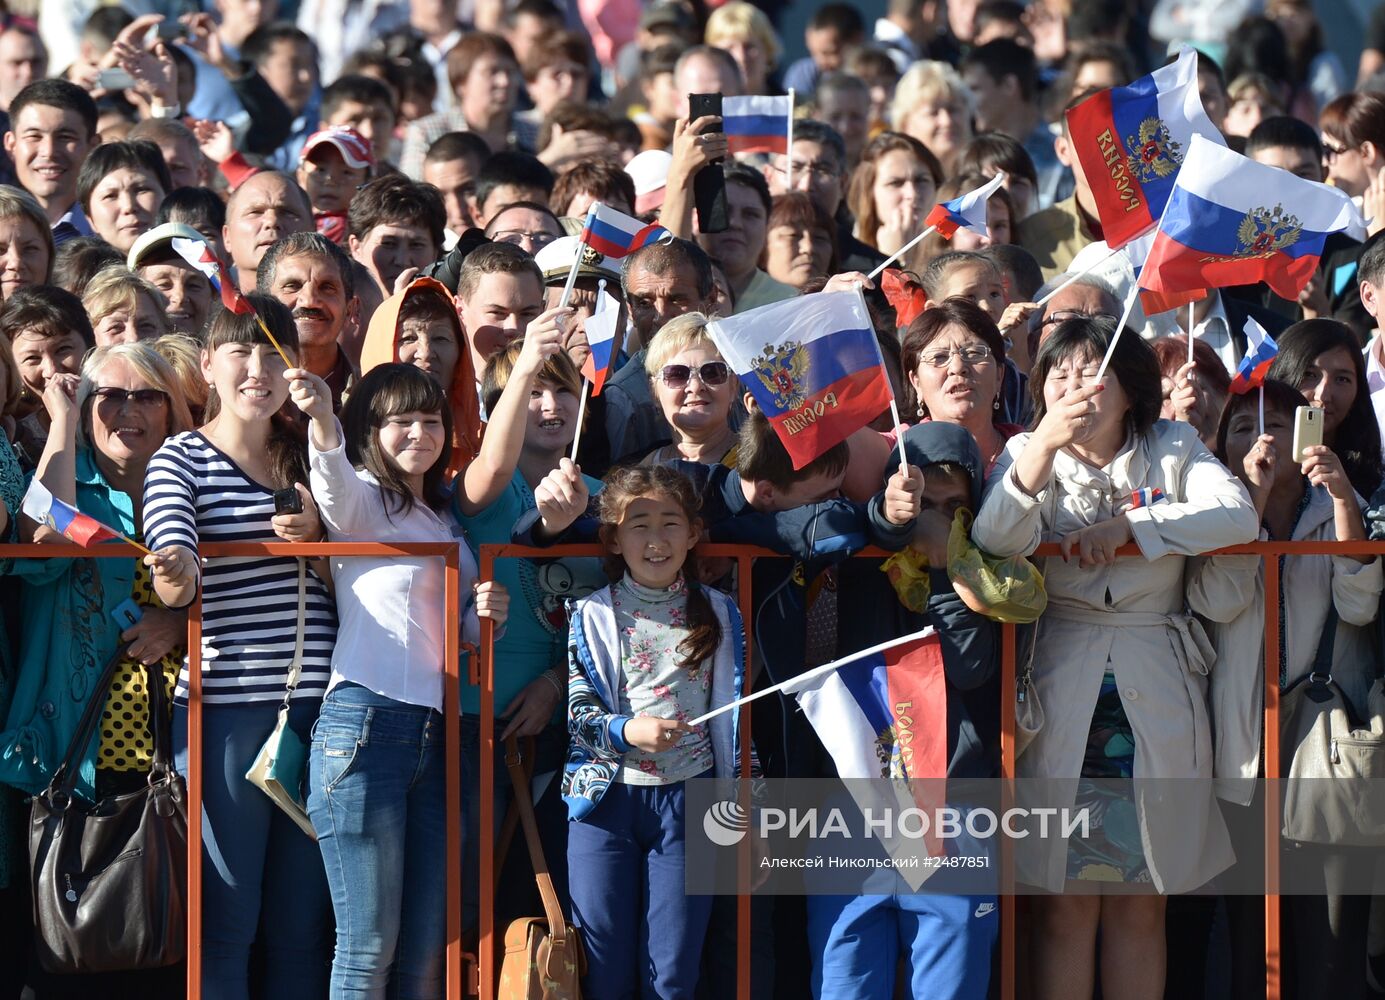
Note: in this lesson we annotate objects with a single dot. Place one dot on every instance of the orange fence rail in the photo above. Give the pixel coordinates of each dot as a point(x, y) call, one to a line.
point(482, 672)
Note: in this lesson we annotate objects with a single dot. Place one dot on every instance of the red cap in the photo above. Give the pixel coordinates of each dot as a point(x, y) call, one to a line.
point(348, 142)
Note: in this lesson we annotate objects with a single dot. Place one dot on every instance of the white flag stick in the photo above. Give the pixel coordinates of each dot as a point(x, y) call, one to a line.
point(1125, 315)
point(1262, 408)
point(816, 672)
point(901, 251)
point(899, 436)
point(1073, 277)
point(788, 150)
point(586, 384)
point(577, 262)
point(1191, 322)
point(581, 411)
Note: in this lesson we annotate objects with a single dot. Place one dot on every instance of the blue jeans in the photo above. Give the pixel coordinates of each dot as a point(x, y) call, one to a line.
point(378, 802)
point(259, 872)
point(642, 933)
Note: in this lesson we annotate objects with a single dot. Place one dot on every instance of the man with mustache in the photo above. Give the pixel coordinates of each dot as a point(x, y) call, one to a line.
point(313, 277)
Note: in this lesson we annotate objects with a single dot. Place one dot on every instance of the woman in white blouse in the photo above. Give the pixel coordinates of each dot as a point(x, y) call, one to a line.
point(1118, 666)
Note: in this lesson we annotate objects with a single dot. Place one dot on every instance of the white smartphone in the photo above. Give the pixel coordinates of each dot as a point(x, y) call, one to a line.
point(114, 79)
point(1307, 430)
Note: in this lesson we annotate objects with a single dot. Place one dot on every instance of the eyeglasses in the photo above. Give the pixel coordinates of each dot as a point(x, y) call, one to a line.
point(1063, 315)
point(822, 170)
point(1331, 152)
point(140, 397)
point(517, 237)
point(972, 356)
point(712, 373)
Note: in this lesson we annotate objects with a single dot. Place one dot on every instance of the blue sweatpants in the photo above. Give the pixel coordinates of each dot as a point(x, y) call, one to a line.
point(857, 941)
point(642, 932)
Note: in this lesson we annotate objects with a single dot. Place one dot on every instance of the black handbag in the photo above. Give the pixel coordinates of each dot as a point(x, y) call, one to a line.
point(110, 880)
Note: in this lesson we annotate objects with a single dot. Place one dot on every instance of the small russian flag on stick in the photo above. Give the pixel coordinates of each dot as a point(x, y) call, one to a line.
point(1260, 354)
point(44, 508)
point(615, 235)
point(601, 329)
point(967, 211)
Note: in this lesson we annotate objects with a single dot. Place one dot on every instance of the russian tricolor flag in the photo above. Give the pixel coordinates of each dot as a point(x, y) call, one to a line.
point(1232, 221)
point(884, 716)
point(965, 212)
point(601, 330)
point(1260, 353)
point(615, 234)
point(813, 365)
point(1131, 142)
point(200, 256)
point(1147, 496)
point(44, 508)
point(757, 124)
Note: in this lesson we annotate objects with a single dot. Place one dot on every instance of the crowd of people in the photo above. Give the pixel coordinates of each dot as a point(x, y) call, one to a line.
point(295, 272)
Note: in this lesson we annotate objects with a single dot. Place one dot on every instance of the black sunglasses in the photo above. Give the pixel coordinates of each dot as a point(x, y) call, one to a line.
point(712, 373)
point(140, 397)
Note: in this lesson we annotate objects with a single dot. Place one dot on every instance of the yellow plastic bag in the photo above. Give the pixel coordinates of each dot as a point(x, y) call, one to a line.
point(1005, 590)
point(907, 570)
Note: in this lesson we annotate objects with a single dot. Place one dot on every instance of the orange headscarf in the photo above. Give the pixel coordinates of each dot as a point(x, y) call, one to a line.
point(381, 347)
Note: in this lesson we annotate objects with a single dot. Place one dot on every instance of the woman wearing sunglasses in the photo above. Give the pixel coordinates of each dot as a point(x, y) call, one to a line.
point(1353, 142)
point(106, 425)
point(695, 391)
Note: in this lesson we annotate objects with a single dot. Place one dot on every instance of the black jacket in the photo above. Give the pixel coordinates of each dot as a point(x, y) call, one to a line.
point(869, 612)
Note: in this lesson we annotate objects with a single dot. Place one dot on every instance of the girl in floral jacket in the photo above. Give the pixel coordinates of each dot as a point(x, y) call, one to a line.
point(647, 654)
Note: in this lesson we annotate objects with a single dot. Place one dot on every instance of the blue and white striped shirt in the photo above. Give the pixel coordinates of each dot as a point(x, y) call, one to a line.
point(193, 492)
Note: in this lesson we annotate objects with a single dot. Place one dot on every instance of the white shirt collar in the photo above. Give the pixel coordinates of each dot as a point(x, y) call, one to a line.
point(1215, 328)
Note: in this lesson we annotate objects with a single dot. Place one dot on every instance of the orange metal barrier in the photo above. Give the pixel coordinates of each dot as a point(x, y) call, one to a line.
point(483, 673)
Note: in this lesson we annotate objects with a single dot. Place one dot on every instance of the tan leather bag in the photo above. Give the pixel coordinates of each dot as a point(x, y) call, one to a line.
point(543, 955)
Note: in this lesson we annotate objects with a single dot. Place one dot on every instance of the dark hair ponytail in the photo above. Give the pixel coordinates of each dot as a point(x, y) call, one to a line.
point(628, 483)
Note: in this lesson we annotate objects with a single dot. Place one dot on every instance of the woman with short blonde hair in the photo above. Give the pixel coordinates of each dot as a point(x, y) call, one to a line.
point(746, 35)
point(184, 356)
point(124, 308)
point(932, 104)
point(695, 389)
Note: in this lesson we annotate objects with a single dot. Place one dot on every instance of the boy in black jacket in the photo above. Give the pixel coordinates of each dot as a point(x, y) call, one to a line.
point(949, 938)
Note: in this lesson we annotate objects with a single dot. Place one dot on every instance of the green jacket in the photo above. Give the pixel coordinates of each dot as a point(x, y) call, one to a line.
point(69, 636)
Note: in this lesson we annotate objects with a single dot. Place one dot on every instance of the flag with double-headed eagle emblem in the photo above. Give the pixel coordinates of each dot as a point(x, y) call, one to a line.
point(813, 365)
point(1232, 221)
point(1131, 142)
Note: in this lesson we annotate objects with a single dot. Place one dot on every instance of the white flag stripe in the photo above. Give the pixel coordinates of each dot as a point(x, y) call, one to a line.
point(38, 502)
point(601, 327)
point(738, 106)
point(744, 336)
point(1180, 105)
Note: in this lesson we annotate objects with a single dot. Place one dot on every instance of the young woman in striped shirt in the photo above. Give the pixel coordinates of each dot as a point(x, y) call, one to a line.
point(217, 484)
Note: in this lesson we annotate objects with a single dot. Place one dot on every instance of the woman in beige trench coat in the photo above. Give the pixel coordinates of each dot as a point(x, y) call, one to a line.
point(1099, 471)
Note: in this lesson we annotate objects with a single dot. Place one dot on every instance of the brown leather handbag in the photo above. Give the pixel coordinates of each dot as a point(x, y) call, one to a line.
point(110, 880)
point(543, 955)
